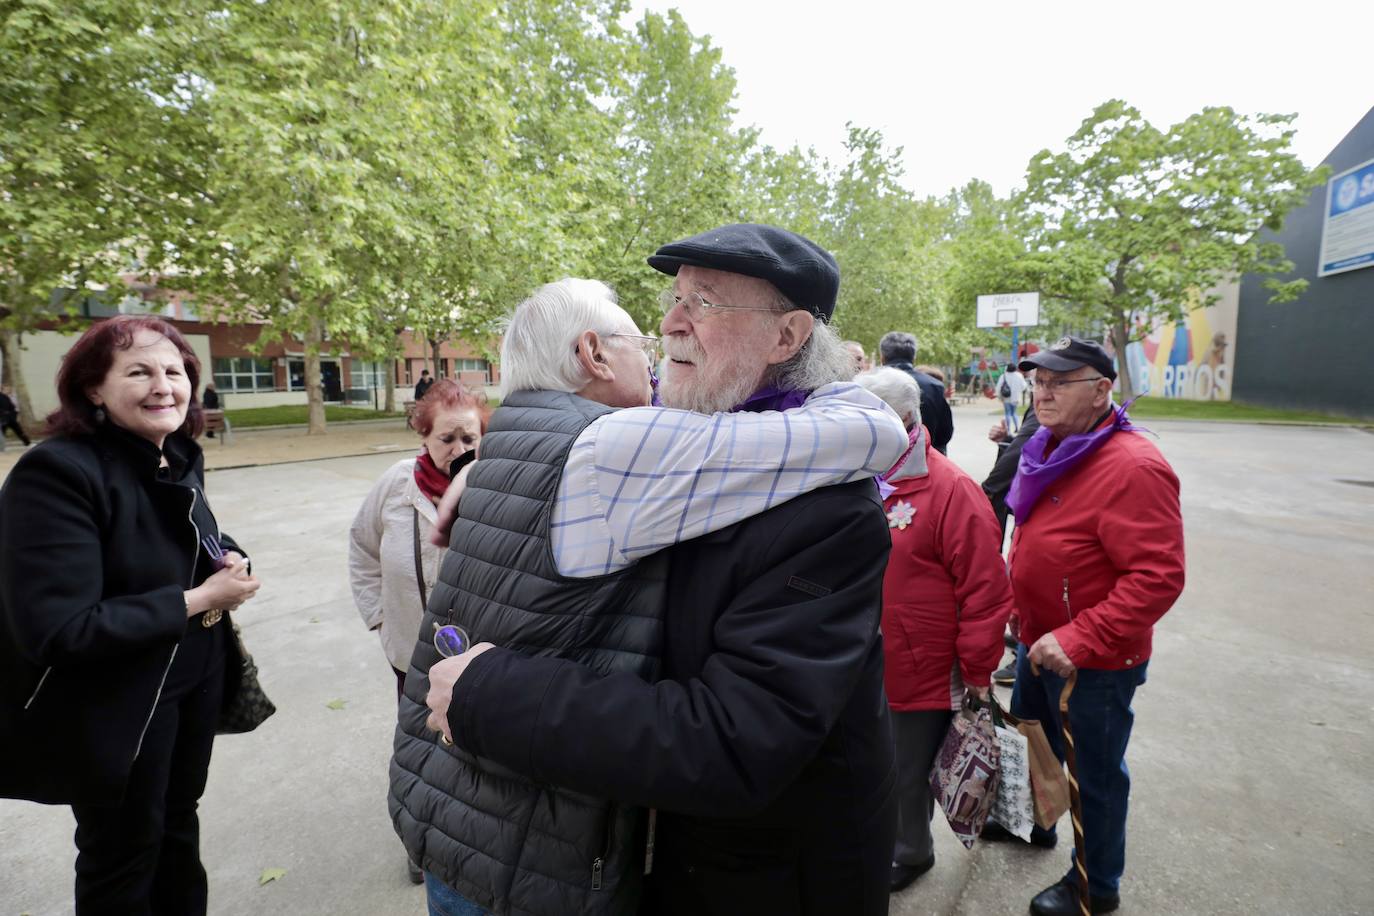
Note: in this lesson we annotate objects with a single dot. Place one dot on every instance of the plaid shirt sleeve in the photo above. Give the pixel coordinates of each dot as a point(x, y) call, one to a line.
point(642, 479)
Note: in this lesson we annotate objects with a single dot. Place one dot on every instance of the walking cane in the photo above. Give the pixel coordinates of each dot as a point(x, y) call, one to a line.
point(1075, 803)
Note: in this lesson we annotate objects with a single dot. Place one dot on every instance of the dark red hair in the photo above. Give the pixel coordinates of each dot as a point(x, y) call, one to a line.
point(446, 394)
point(89, 360)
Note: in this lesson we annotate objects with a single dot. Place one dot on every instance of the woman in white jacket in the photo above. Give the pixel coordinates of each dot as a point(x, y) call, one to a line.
point(389, 542)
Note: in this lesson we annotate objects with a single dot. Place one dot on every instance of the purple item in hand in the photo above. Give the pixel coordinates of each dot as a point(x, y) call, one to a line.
point(1035, 473)
point(214, 551)
point(963, 779)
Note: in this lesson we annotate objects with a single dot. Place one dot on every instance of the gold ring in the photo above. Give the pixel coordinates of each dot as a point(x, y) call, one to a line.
point(445, 740)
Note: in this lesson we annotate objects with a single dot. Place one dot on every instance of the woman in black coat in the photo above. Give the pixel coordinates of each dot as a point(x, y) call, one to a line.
point(114, 647)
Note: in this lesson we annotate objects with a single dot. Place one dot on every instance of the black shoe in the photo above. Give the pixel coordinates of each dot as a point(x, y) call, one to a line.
point(1006, 675)
point(994, 832)
point(416, 876)
point(1062, 900)
point(903, 875)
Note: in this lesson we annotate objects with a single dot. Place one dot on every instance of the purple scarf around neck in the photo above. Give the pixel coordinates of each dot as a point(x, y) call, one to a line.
point(1035, 472)
point(771, 397)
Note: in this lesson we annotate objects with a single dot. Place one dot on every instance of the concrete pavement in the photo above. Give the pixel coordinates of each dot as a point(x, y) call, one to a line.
point(1249, 756)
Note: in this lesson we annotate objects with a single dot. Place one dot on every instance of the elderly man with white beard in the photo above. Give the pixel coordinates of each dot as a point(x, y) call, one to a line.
point(758, 731)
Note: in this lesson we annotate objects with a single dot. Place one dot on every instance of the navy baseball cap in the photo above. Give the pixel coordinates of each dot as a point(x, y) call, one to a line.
point(802, 271)
point(1070, 353)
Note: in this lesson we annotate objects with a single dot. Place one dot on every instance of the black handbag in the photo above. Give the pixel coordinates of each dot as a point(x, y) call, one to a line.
point(246, 705)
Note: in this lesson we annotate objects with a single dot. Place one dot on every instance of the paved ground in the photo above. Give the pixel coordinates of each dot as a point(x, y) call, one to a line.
point(1250, 756)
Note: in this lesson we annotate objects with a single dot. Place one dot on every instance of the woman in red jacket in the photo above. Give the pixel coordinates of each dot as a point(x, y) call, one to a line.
point(946, 599)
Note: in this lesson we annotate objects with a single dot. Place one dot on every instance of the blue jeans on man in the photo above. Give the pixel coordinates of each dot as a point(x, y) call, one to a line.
point(1009, 413)
point(1100, 715)
point(445, 901)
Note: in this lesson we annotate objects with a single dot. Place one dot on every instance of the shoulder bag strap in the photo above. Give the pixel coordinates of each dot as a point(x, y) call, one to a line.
point(419, 567)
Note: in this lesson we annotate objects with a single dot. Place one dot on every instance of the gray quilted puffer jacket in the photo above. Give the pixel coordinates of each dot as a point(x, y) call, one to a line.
point(510, 845)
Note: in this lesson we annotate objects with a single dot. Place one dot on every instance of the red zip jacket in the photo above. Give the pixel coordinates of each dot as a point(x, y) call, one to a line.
point(946, 598)
point(1101, 557)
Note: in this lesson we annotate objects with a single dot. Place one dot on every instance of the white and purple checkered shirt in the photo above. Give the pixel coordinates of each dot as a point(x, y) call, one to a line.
point(642, 479)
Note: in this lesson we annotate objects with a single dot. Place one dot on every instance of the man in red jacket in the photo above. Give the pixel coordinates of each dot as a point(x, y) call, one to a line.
point(1096, 559)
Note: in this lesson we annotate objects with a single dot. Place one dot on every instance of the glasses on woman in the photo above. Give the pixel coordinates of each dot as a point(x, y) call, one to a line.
point(450, 640)
point(697, 307)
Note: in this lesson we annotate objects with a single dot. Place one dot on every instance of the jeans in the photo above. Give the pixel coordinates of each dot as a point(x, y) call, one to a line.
point(445, 901)
point(1101, 717)
point(1009, 411)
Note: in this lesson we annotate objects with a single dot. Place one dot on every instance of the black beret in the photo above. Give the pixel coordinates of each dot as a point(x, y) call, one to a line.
point(1071, 353)
point(802, 271)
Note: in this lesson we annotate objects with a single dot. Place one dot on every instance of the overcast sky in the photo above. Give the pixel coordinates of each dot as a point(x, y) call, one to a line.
point(973, 90)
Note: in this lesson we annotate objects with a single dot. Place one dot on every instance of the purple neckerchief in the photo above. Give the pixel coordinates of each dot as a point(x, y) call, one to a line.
point(770, 397)
point(911, 464)
point(1035, 472)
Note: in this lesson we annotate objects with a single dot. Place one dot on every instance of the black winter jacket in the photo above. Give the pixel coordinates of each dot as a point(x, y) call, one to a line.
point(96, 550)
point(766, 746)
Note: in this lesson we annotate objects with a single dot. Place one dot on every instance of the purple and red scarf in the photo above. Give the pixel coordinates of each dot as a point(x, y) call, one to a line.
point(1035, 473)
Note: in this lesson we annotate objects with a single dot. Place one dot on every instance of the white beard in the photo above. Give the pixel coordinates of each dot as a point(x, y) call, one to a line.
point(716, 388)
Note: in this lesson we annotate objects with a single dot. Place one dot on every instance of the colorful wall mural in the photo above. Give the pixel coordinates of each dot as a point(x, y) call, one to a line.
point(1194, 359)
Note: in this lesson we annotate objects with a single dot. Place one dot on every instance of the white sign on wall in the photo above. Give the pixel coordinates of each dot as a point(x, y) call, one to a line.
point(1348, 225)
point(1009, 310)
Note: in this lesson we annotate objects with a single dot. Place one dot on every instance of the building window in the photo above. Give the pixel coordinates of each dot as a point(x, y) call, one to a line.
point(242, 373)
point(365, 375)
point(476, 365)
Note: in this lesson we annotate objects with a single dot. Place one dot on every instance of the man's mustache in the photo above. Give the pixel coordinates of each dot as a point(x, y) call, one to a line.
point(683, 348)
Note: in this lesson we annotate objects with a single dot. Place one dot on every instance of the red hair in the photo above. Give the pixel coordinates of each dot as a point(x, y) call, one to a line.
point(446, 394)
point(89, 360)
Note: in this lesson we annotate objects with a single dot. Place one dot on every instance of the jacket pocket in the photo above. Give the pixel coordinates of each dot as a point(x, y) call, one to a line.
point(1068, 606)
point(607, 838)
point(41, 681)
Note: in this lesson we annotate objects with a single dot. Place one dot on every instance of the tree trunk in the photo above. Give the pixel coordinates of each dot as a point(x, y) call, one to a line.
point(1121, 336)
point(14, 377)
point(433, 359)
point(390, 404)
point(314, 387)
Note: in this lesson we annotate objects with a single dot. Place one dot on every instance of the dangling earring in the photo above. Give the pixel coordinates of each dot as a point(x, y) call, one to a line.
point(99, 414)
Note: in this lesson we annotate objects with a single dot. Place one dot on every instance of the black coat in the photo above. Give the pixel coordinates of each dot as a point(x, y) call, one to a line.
point(766, 747)
point(935, 413)
point(998, 482)
point(96, 550)
point(8, 412)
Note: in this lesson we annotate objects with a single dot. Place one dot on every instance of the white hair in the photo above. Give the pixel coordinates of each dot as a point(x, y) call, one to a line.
point(821, 360)
point(538, 349)
point(897, 389)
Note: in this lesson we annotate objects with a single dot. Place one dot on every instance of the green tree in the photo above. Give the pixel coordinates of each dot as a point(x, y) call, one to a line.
point(888, 245)
point(346, 157)
point(94, 144)
point(1130, 223)
point(680, 160)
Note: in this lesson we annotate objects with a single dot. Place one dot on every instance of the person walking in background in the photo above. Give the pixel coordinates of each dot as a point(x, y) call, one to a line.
point(898, 350)
point(1010, 387)
point(861, 362)
point(423, 384)
point(392, 560)
point(946, 601)
point(1096, 559)
point(210, 401)
point(9, 417)
point(114, 641)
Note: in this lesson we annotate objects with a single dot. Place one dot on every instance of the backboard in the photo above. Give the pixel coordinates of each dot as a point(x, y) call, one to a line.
point(1009, 310)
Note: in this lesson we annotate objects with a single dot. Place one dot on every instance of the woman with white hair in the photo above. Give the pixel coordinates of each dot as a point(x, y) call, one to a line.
point(946, 599)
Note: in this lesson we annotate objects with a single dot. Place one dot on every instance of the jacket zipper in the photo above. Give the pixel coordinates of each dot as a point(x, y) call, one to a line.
point(195, 561)
point(1068, 609)
point(599, 862)
point(34, 696)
